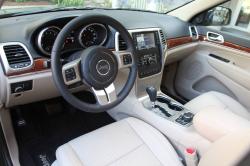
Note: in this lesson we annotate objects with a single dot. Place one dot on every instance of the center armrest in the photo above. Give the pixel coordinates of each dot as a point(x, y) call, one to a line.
point(214, 122)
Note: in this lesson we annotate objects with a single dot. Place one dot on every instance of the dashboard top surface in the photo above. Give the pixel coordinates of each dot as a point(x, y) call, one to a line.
point(29, 24)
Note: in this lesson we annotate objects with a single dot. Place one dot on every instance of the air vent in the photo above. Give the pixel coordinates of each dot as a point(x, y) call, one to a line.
point(121, 43)
point(15, 57)
point(163, 39)
point(193, 32)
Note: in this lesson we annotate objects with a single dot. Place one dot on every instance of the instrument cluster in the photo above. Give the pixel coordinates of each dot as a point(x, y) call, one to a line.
point(89, 35)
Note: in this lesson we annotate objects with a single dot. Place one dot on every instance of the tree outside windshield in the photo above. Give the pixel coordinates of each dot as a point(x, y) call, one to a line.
point(160, 6)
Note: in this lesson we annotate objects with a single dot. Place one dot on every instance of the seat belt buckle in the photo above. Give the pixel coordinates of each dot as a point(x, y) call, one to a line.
point(191, 157)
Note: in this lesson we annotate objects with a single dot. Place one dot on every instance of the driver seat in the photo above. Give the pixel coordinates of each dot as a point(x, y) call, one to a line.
point(133, 142)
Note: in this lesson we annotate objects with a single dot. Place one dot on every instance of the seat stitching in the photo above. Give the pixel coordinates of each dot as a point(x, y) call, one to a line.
point(119, 158)
point(143, 141)
point(76, 155)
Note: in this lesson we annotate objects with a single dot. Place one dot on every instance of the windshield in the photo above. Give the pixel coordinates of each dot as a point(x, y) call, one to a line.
point(30, 6)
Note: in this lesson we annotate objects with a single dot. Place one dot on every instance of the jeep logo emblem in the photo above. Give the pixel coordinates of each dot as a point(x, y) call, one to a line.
point(103, 67)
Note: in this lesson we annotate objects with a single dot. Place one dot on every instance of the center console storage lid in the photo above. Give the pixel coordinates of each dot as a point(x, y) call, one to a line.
point(215, 122)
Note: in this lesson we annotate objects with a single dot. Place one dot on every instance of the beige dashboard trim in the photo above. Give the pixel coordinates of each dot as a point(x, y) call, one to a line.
point(9, 135)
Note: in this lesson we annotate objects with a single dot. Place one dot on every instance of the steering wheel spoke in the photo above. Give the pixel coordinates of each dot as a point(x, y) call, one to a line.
point(124, 59)
point(71, 72)
point(106, 96)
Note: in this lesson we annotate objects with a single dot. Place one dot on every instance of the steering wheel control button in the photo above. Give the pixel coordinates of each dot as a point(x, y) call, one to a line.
point(103, 67)
point(127, 59)
point(70, 74)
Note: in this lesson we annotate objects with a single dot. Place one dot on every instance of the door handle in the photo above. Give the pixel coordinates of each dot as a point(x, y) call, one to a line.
point(215, 37)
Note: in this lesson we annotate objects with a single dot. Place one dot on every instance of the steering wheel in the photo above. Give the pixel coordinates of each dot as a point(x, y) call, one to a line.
point(96, 68)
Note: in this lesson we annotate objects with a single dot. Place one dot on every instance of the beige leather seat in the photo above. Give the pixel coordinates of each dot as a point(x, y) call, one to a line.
point(132, 142)
point(219, 101)
point(129, 142)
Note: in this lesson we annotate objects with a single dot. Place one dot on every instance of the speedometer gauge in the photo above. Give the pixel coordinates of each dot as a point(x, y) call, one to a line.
point(93, 34)
point(46, 39)
point(89, 37)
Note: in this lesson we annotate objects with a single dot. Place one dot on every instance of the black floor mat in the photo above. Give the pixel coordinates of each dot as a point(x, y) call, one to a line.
point(44, 132)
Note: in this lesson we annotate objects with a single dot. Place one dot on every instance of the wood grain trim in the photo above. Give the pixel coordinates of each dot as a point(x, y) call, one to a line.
point(235, 46)
point(174, 42)
point(227, 44)
point(37, 66)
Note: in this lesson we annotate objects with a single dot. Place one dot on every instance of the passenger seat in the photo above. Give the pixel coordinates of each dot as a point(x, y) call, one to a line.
point(217, 100)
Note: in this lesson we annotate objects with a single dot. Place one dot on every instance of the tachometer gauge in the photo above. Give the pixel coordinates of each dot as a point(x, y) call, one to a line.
point(93, 34)
point(46, 39)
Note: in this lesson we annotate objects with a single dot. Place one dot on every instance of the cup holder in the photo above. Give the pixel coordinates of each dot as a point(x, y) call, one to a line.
point(171, 105)
point(175, 107)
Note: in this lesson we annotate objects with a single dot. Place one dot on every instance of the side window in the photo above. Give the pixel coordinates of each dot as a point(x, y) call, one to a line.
point(217, 16)
point(243, 14)
point(233, 14)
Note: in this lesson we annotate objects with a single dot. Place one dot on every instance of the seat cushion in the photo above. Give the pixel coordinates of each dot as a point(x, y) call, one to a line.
point(127, 142)
point(215, 99)
point(230, 150)
point(215, 123)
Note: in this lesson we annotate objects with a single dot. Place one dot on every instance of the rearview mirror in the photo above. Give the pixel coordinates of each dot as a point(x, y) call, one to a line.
point(217, 16)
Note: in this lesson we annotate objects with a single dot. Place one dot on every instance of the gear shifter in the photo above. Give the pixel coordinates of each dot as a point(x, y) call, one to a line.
point(152, 93)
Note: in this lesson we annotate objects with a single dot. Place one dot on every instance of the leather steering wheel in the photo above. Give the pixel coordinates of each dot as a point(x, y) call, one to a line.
point(96, 68)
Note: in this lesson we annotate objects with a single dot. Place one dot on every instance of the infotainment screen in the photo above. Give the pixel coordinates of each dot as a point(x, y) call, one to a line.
point(145, 41)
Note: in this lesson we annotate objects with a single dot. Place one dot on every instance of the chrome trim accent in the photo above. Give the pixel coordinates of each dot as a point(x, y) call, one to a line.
point(106, 96)
point(98, 69)
point(191, 34)
point(111, 93)
point(39, 39)
point(218, 39)
point(138, 30)
point(101, 25)
point(7, 68)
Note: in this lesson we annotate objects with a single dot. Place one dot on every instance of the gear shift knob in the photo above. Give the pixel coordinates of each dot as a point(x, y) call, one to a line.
point(152, 93)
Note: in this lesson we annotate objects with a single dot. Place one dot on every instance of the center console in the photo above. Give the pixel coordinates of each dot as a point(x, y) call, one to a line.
point(167, 108)
point(170, 109)
point(170, 117)
point(148, 51)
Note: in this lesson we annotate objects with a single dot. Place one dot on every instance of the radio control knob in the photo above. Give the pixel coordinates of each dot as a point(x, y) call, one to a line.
point(188, 117)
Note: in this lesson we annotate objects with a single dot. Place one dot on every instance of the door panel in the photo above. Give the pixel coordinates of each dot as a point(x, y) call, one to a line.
point(226, 71)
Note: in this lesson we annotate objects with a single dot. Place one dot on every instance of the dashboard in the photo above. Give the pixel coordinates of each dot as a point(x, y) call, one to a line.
point(36, 34)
